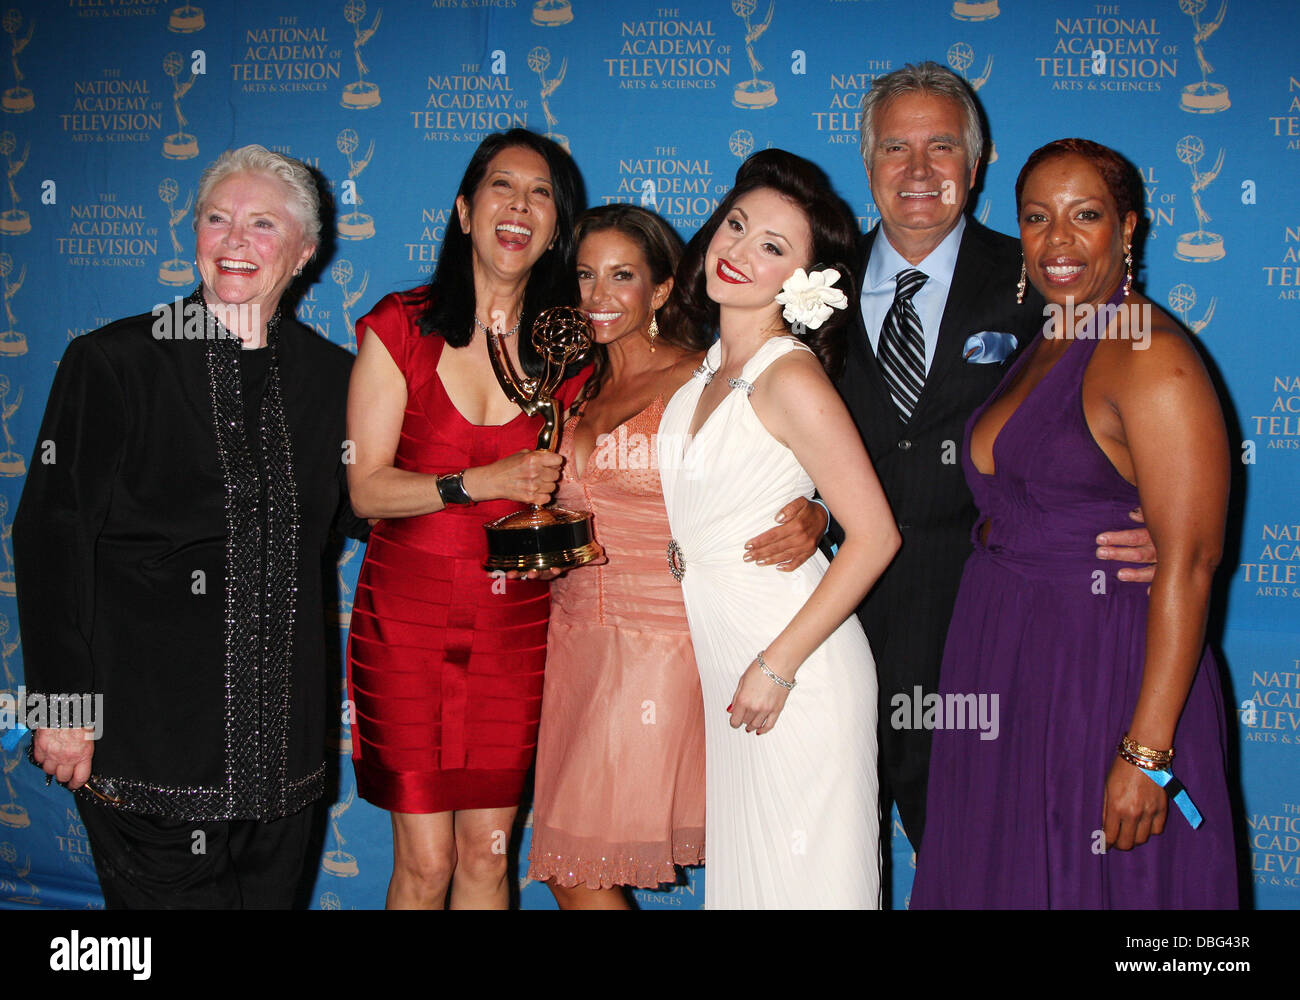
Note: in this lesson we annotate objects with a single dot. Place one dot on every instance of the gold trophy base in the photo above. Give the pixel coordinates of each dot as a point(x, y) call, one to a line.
point(754, 94)
point(1205, 99)
point(185, 20)
point(975, 10)
point(15, 222)
point(360, 95)
point(356, 227)
point(16, 100)
point(175, 272)
point(541, 538)
point(15, 816)
point(1199, 247)
point(180, 146)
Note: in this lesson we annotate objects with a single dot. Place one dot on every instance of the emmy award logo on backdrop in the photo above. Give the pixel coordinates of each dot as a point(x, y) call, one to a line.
point(1182, 298)
point(539, 61)
point(356, 225)
point(339, 862)
point(9, 854)
point(741, 143)
point(1201, 245)
point(177, 271)
point(17, 98)
point(341, 272)
point(552, 13)
point(362, 94)
point(12, 343)
point(753, 94)
point(1204, 98)
point(8, 579)
point(180, 145)
point(12, 462)
point(186, 19)
point(961, 57)
point(13, 221)
point(975, 10)
point(353, 547)
point(12, 813)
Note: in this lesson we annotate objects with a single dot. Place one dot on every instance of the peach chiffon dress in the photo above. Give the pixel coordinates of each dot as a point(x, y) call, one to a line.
point(619, 796)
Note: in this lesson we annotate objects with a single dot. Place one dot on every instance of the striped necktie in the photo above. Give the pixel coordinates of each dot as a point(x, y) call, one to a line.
point(902, 344)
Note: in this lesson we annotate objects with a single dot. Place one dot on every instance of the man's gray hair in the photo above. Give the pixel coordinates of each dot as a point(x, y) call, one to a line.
point(304, 199)
point(922, 78)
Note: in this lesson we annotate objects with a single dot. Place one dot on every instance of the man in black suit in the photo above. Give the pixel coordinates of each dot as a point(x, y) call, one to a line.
point(912, 390)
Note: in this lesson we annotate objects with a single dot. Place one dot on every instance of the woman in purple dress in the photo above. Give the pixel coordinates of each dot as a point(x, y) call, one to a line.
point(1062, 795)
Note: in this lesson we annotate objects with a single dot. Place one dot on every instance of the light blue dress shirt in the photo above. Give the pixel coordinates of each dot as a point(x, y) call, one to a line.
point(878, 287)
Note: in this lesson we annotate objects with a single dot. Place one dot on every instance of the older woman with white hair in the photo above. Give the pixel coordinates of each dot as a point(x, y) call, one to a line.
point(169, 559)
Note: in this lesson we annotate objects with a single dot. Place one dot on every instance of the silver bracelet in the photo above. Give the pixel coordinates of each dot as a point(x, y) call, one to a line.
point(775, 678)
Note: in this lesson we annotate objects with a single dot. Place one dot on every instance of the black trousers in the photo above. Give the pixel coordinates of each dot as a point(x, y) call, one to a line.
point(151, 863)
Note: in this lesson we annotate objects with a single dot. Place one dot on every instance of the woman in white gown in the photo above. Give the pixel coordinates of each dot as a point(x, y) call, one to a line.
point(791, 793)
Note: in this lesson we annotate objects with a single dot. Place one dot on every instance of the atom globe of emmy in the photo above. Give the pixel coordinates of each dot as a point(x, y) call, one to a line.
point(542, 537)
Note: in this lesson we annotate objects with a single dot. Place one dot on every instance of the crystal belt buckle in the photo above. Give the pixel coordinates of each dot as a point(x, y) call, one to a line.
point(676, 561)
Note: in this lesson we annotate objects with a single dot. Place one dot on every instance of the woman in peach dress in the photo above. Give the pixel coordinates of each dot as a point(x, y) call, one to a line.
point(619, 797)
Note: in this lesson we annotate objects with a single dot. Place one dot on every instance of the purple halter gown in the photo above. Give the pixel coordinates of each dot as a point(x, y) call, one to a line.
point(1045, 626)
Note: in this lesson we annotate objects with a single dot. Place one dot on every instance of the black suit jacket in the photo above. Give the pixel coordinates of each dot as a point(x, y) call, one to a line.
point(108, 541)
point(906, 614)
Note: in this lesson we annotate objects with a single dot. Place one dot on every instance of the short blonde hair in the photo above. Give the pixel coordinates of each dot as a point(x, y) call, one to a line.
point(304, 199)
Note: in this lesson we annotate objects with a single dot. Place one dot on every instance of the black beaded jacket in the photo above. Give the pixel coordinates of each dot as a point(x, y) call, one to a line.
point(177, 567)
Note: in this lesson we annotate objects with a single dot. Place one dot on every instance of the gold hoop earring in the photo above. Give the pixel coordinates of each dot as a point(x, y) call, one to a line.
point(1020, 285)
point(653, 331)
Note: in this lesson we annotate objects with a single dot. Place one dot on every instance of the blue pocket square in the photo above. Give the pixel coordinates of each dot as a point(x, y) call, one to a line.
point(988, 347)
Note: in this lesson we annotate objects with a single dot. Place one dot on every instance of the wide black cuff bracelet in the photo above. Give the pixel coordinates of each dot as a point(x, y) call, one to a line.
point(451, 487)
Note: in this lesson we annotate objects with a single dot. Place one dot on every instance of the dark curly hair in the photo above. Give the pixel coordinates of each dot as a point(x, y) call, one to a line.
point(448, 298)
point(662, 249)
point(834, 239)
point(1118, 174)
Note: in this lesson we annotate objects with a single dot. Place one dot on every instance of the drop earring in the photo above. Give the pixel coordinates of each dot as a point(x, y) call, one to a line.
point(1020, 285)
point(1128, 269)
point(653, 332)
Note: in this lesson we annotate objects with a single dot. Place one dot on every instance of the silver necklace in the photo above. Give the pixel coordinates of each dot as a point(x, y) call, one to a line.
point(507, 333)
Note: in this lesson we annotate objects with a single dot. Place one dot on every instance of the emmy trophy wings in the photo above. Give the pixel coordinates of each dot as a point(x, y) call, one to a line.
point(368, 33)
point(1204, 180)
point(17, 165)
point(753, 34)
point(364, 162)
point(1210, 27)
point(549, 87)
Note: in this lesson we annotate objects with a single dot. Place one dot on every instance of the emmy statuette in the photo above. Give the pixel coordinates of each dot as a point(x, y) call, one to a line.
point(542, 537)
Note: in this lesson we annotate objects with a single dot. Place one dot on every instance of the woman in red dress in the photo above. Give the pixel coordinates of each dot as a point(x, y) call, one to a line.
point(445, 661)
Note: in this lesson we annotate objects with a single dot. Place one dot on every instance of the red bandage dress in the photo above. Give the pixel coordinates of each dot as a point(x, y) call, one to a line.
point(445, 662)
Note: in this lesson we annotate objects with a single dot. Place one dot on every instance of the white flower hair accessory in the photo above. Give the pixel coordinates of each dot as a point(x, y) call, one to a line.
point(809, 299)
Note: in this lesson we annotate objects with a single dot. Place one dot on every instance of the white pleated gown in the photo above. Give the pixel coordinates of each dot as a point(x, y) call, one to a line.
point(792, 815)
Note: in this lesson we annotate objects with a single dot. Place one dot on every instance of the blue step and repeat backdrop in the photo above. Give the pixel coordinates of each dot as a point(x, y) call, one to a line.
point(110, 109)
